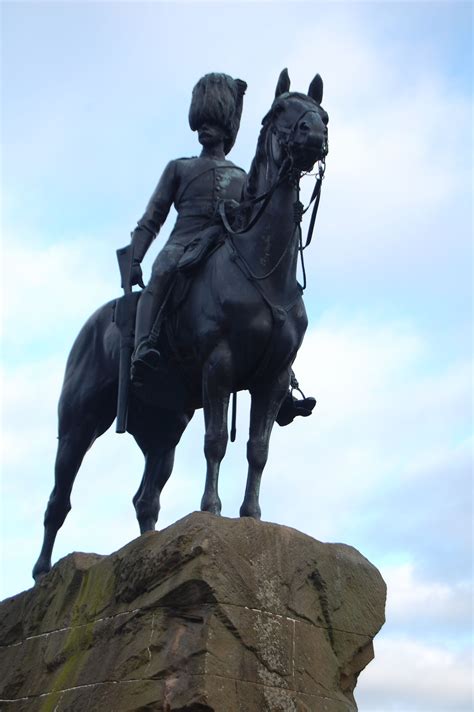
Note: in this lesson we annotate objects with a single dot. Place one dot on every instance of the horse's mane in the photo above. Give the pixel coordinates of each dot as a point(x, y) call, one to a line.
point(250, 187)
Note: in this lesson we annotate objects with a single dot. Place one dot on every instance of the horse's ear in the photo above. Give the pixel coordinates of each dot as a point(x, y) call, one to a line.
point(315, 90)
point(283, 83)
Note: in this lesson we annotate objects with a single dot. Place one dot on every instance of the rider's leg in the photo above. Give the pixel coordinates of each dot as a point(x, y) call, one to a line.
point(152, 299)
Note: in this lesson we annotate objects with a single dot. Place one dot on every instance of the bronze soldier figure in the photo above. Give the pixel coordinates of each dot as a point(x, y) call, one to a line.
point(195, 186)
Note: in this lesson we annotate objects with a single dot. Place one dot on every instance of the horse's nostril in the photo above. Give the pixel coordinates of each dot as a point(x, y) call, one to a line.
point(304, 126)
point(317, 140)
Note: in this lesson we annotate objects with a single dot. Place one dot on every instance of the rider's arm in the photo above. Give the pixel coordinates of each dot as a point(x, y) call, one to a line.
point(156, 212)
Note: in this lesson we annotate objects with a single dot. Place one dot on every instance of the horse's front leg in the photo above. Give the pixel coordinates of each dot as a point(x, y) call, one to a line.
point(266, 401)
point(158, 444)
point(158, 467)
point(217, 384)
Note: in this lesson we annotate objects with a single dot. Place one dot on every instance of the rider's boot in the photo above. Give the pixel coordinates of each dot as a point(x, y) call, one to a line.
point(146, 356)
point(292, 407)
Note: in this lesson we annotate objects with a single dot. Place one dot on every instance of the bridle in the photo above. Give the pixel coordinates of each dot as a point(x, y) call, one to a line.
point(285, 138)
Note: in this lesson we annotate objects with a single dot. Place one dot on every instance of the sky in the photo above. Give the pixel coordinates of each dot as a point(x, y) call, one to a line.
point(95, 98)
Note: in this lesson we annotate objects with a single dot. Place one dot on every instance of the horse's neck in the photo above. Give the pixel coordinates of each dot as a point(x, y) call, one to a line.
point(271, 246)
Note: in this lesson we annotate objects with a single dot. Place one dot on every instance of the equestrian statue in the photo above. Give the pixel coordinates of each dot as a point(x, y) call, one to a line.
point(222, 312)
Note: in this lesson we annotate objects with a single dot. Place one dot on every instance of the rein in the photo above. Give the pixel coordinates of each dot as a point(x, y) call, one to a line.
point(299, 211)
point(284, 138)
point(315, 196)
point(265, 197)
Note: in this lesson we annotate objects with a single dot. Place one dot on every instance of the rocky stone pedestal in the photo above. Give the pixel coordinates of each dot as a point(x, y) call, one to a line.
point(209, 615)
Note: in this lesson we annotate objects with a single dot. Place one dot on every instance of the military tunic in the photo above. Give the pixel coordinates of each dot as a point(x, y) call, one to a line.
point(195, 186)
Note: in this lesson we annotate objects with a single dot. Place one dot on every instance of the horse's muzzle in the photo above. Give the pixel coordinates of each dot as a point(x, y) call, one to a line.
point(309, 152)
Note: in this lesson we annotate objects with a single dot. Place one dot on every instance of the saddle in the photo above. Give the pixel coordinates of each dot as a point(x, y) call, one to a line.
point(210, 238)
point(192, 261)
point(200, 249)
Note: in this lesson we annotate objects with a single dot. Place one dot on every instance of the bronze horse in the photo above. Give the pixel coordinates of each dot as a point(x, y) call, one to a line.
point(238, 326)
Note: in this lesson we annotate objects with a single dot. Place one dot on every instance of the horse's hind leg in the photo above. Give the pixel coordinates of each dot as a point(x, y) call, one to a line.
point(216, 393)
point(72, 446)
point(79, 425)
point(266, 402)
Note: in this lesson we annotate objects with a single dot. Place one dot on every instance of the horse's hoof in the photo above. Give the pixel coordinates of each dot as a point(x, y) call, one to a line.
point(147, 525)
point(40, 570)
point(211, 507)
point(253, 512)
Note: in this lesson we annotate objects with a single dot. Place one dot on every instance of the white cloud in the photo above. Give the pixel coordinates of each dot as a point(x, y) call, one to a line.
point(410, 676)
point(51, 288)
point(29, 397)
point(413, 600)
point(376, 394)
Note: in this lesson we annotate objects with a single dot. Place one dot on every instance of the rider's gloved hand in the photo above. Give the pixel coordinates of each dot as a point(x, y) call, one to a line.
point(141, 241)
point(136, 275)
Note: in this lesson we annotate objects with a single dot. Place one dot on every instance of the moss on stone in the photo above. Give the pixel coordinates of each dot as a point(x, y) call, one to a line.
point(93, 597)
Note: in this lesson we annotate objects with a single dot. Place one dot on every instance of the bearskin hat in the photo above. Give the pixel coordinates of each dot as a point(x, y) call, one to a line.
point(218, 98)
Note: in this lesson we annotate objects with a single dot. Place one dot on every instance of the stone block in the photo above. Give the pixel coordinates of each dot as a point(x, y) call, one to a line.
point(209, 615)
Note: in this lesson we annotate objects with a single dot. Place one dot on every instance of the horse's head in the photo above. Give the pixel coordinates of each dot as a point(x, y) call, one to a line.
point(298, 124)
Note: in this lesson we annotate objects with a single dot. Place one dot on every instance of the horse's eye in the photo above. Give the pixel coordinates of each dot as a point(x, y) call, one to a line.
point(325, 119)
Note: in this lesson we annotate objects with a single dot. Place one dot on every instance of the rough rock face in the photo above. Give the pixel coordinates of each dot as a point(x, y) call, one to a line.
point(209, 615)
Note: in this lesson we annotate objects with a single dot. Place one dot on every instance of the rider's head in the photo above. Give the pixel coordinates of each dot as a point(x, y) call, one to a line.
point(216, 108)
